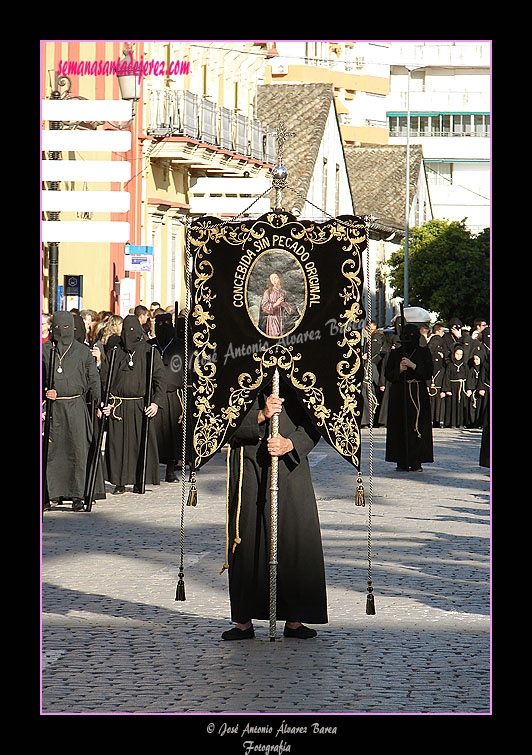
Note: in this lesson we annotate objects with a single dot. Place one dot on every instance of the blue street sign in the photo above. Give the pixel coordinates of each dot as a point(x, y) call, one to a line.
point(136, 249)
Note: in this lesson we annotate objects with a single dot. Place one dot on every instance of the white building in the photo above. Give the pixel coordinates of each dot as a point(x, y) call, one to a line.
point(449, 103)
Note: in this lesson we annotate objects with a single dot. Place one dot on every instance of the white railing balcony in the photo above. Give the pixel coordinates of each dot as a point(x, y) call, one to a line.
point(183, 113)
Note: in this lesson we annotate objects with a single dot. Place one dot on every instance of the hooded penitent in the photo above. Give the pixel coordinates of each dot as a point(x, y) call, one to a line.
point(168, 422)
point(79, 329)
point(409, 423)
point(76, 380)
point(164, 330)
point(458, 356)
point(63, 330)
point(410, 338)
point(132, 333)
point(128, 394)
point(454, 384)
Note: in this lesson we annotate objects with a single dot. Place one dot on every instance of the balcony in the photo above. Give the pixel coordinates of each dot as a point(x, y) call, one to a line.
point(185, 114)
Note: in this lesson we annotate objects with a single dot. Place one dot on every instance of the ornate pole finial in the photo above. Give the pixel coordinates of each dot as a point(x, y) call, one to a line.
point(280, 173)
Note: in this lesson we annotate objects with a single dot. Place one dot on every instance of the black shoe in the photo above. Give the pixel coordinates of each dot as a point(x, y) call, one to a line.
point(119, 489)
point(170, 477)
point(401, 468)
point(239, 634)
point(417, 468)
point(77, 504)
point(301, 633)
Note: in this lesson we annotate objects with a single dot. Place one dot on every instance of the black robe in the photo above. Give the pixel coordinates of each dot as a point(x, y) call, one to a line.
point(168, 420)
point(383, 388)
point(124, 429)
point(301, 588)
point(71, 429)
point(476, 382)
point(376, 358)
point(434, 385)
point(418, 420)
point(454, 383)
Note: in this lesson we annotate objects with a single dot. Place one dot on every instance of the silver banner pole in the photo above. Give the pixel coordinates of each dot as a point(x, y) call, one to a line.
point(274, 491)
point(280, 174)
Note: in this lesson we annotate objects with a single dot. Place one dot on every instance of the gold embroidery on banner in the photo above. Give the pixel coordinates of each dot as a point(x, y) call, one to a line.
point(342, 428)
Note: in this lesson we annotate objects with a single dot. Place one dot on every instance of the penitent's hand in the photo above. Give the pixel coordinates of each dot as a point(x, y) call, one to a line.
point(279, 445)
point(151, 410)
point(272, 406)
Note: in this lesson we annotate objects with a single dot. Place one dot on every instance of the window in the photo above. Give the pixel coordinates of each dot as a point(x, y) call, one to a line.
point(481, 125)
point(440, 124)
point(439, 174)
point(424, 125)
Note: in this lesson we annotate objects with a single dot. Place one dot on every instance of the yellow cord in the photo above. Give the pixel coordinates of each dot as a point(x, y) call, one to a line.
point(237, 539)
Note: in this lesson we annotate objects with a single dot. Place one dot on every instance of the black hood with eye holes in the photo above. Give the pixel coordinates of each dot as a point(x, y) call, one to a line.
point(164, 329)
point(63, 329)
point(132, 332)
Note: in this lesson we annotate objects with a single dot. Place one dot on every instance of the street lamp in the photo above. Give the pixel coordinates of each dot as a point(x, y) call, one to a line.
point(128, 78)
point(129, 82)
point(407, 198)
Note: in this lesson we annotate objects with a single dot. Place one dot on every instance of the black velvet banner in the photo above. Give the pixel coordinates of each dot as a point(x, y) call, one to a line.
point(276, 292)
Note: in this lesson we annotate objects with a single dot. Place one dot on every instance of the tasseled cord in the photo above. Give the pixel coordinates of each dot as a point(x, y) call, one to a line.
point(360, 501)
point(237, 539)
point(193, 492)
point(359, 498)
point(180, 589)
point(370, 600)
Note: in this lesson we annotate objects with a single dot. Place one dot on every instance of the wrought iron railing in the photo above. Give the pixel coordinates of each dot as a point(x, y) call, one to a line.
point(183, 113)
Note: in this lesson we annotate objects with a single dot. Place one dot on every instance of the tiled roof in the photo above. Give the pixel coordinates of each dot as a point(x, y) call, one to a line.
point(304, 109)
point(378, 176)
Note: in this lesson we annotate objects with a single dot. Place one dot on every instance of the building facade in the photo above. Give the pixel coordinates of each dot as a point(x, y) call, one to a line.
point(194, 119)
point(358, 71)
point(448, 92)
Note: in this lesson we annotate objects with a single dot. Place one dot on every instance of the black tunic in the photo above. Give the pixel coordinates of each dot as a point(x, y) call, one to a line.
point(434, 385)
point(168, 420)
point(301, 589)
point(454, 383)
point(124, 429)
point(71, 430)
point(418, 420)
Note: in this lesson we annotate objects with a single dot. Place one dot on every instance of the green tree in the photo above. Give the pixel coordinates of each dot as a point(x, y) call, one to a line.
point(448, 270)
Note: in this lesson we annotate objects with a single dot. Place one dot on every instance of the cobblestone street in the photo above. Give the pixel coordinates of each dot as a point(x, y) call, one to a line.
point(115, 640)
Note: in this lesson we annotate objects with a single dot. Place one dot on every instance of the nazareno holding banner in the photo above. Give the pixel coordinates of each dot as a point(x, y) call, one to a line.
point(275, 301)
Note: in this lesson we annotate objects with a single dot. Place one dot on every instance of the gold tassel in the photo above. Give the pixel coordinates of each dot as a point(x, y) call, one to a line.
point(359, 499)
point(193, 492)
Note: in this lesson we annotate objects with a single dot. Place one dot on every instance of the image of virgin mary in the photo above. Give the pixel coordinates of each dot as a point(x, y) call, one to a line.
point(276, 305)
